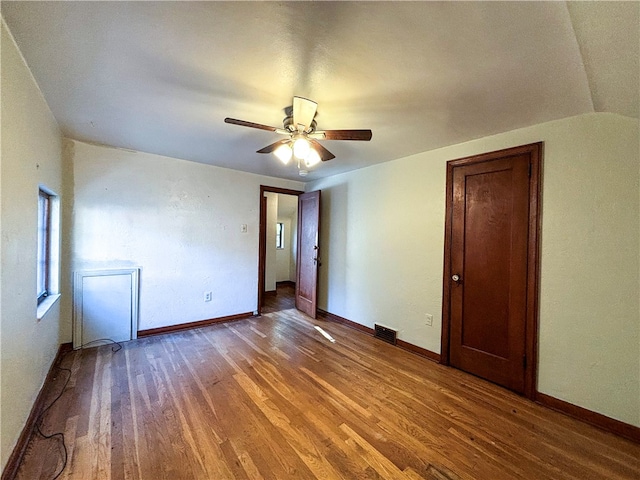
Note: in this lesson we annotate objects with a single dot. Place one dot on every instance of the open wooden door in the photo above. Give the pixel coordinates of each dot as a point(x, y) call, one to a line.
point(308, 252)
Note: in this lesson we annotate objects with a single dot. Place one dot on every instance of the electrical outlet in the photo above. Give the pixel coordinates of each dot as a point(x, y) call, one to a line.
point(208, 296)
point(428, 319)
point(243, 228)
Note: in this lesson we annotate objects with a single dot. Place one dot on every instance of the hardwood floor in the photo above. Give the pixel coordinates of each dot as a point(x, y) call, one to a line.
point(284, 299)
point(271, 398)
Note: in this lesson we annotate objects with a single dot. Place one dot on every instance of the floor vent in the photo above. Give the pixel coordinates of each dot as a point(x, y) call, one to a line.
point(386, 334)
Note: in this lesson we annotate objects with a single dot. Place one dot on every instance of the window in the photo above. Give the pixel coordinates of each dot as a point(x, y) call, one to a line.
point(280, 235)
point(44, 245)
point(48, 251)
point(48, 255)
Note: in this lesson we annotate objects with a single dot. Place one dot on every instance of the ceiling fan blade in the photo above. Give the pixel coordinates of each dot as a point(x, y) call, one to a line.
point(325, 154)
point(304, 111)
point(244, 123)
point(272, 147)
point(364, 135)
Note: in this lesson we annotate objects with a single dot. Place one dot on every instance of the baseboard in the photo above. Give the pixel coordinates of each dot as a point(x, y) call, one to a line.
point(13, 463)
point(419, 350)
point(612, 425)
point(270, 293)
point(363, 328)
point(349, 323)
point(190, 325)
point(286, 283)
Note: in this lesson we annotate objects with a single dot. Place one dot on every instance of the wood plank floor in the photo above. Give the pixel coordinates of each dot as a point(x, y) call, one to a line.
point(271, 398)
point(284, 299)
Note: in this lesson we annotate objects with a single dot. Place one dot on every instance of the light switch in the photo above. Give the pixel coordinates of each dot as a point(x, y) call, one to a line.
point(243, 228)
point(428, 319)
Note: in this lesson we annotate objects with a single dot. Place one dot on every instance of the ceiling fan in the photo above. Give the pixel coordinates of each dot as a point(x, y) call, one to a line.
point(302, 136)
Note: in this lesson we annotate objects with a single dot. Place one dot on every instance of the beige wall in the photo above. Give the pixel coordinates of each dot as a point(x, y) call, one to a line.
point(271, 255)
point(288, 215)
point(383, 241)
point(179, 221)
point(283, 255)
point(31, 156)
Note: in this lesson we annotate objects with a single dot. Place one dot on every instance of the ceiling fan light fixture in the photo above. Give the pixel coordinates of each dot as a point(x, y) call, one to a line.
point(312, 158)
point(301, 147)
point(284, 153)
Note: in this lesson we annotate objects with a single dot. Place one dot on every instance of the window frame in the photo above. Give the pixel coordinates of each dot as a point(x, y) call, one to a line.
point(44, 245)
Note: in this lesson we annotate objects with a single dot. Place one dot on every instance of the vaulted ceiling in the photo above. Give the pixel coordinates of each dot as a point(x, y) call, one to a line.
point(160, 77)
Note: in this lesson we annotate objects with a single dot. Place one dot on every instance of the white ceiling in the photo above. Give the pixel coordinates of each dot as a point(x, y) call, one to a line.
point(160, 77)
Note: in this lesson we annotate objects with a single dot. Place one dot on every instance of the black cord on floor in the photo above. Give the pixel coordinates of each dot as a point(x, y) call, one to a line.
point(117, 346)
point(59, 435)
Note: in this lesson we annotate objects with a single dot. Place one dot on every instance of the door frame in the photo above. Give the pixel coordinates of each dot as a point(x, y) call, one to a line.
point(262, 245)
point(535, 151)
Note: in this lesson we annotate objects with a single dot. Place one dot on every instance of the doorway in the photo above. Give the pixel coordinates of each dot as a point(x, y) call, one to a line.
point(490, 285)
point(277, 253)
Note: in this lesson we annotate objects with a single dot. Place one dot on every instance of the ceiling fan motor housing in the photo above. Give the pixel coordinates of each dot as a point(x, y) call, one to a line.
point(289, 125)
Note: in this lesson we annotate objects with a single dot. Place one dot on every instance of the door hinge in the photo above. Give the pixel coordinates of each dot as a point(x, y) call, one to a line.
point(524, 362)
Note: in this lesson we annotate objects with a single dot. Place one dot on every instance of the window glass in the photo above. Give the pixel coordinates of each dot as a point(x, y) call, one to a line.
point(280, 235)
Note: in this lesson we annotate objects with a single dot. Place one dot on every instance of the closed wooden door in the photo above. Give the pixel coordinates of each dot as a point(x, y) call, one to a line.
point(493, 266)
point(308, 252)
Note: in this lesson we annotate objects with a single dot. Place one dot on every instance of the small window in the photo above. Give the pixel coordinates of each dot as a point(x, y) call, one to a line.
point(280, 235)
point(44, 245)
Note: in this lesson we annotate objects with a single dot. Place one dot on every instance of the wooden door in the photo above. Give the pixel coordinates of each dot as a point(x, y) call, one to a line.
point(308, 252)
point(492, 266)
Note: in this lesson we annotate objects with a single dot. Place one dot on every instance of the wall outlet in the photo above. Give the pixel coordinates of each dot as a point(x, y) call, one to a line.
point(243, 228)
point(428, 319)
point(208, 296)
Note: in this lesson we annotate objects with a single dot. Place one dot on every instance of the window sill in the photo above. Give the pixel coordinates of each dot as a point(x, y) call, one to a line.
point(46, 305)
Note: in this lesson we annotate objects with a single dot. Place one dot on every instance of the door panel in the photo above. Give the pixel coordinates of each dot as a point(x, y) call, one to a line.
point(308, 252)
point(489, 252)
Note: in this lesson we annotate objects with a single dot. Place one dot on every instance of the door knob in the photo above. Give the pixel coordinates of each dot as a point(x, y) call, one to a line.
point(455, 278)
